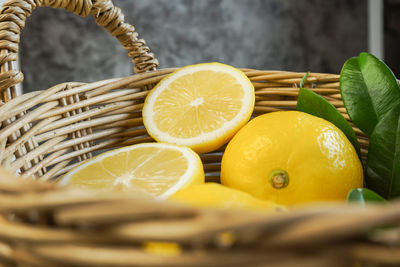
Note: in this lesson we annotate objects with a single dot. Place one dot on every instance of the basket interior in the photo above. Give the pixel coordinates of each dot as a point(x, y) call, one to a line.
point(49, 132)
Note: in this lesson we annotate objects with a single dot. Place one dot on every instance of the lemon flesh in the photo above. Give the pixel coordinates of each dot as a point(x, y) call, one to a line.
point(156, 169)
point(200, 106)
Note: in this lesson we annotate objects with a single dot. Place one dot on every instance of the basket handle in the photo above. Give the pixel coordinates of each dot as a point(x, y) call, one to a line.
point(15, 12)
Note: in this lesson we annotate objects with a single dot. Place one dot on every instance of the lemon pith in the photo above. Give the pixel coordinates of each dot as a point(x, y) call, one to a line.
point(320, 162)
point(201, 106)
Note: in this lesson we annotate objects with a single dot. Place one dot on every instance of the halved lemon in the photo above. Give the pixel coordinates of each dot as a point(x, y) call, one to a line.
point(200, 106)
point(156, 169)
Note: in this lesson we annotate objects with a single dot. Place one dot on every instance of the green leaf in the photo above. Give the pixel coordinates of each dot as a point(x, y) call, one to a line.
point(383, 163)
point(369, 90)
point(304, 79)
point(363, 196)
point(314, 104)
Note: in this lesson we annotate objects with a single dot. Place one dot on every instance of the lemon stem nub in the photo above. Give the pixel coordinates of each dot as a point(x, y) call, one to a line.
point(279, 179)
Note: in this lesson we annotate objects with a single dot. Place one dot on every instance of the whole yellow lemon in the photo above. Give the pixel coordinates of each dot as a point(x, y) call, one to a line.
point(290, 157)
point(217, 196)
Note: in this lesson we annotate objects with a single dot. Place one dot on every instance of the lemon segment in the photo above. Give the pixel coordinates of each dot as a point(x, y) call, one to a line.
point(200, 106)
point(156, 169)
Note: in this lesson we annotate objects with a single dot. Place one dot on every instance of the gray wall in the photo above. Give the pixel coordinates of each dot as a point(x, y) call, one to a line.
point(297, 35)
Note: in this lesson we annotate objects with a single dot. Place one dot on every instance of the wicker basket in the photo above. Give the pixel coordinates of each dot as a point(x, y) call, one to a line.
point(46, 133)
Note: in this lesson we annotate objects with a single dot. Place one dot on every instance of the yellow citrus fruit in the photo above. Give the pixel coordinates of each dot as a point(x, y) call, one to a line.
point(162, 248)
point(157, 169)
point(213, 195)
point(291, 157)
point(200, 106)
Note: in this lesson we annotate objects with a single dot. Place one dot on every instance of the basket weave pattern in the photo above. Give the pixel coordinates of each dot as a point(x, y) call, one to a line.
point(45, 133)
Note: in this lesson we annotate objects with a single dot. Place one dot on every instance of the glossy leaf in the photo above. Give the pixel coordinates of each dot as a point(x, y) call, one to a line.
point(314, 104)
point(383, 163)
point(369, 90)
point(363, 196)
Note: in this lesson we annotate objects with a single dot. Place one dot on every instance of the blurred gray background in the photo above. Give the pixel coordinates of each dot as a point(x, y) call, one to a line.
point(296, 35)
